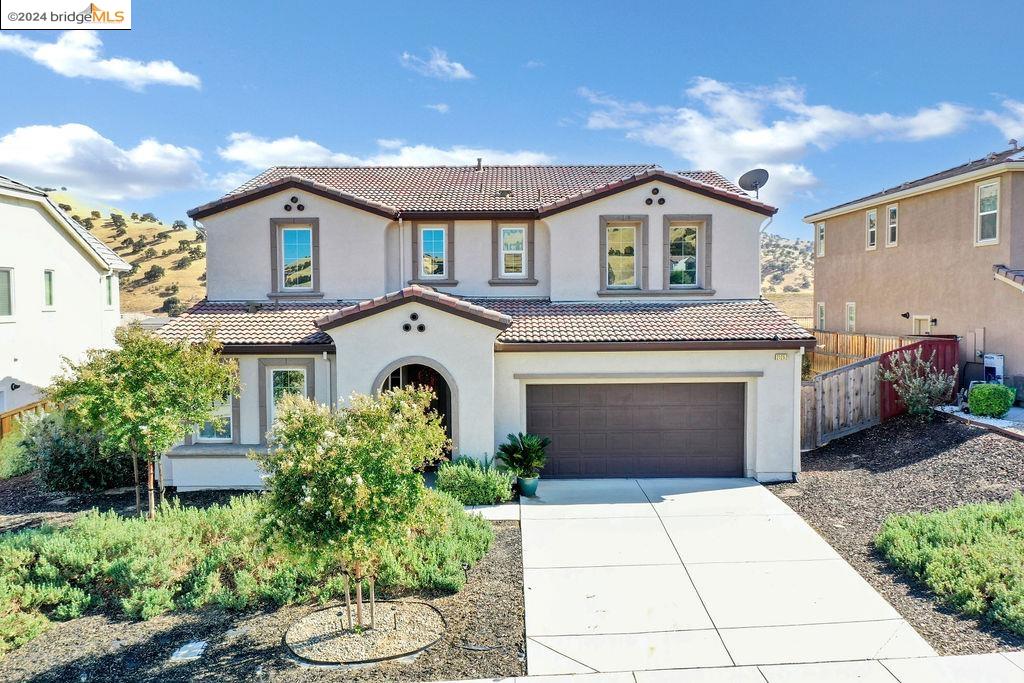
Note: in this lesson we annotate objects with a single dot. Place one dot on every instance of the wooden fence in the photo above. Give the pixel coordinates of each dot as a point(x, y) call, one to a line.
point(9, 420)
point(853, 397)
point(836, 349)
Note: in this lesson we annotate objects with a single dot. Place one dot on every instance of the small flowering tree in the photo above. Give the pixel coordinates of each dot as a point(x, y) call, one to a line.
point(342, 483)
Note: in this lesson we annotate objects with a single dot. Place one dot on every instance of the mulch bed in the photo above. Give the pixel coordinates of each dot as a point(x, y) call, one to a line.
point(847, 489)
point(485, 635)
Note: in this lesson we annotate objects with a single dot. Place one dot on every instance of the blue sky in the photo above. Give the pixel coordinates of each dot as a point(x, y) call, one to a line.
point(835, 99)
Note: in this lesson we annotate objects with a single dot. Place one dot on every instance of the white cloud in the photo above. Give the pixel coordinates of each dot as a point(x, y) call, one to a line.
point(732, 129)
point(437, 65)
point(76, 156)
point(255, 154)
point(77, 54)
point(1010, 121)
point(533, 64)
point(440, 107)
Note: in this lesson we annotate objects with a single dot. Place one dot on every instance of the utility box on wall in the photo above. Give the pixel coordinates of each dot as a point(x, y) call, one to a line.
point(994, 364)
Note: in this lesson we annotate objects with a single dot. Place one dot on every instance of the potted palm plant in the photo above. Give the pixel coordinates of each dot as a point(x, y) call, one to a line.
point(524, 454)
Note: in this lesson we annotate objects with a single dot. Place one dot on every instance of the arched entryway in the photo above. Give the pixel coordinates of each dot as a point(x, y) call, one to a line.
point(422, 372)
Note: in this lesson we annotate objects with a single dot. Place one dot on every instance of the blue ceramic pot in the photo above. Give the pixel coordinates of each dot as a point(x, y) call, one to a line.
point(528, 486)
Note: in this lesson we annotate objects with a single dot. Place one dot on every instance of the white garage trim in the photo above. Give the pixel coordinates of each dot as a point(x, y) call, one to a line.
point(634, 377)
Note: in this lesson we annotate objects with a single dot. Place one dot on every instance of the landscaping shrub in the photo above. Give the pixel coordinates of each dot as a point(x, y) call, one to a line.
point(187, 558)
point(472, 482)
point(69, 457)
point(990, 400)
point(14, 460)
point(969, 556)
point(918, 383)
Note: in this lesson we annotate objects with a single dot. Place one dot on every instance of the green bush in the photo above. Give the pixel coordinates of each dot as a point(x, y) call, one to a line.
point(524, 454)
point(969, 556)
point(918, 383)
point(14, 458)
point(472, 482)
point(187, 558)
point(69, 457)
point(990, 400)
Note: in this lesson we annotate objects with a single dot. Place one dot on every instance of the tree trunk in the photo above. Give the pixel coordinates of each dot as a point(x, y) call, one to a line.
point(152, 488)
point(373, 600)
point(359, 601)
point(163, 489)
point(138, 494)
point(348, 600)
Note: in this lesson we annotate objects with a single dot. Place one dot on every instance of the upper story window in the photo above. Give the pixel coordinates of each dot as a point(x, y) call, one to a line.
point(892, 225)
point(620, 267)
point(820, 230)
point(986, 229)
point(6, 292)
point(682, 254)
point(47, 289)
point(871, 228)
point(819, 317)
point(108, 285)
point(297, 258)
point(513, 251)
point(434, 252)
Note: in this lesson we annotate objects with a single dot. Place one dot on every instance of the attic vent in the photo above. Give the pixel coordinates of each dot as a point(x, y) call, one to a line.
point(504, 193)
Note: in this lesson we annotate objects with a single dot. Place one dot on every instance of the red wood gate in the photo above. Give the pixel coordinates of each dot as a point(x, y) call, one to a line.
point(947, 356)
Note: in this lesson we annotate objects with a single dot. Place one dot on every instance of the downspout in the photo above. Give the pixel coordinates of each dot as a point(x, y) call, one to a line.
point(401, 252)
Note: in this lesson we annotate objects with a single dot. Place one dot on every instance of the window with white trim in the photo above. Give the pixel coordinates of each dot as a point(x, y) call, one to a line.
point(682, 254)
point(218, 429)
point(871, 228)
point(108, 284)
point(47, 289)
point(819, 320)
point(851, 316)
point(821, 239)
point(297, 258)
point(987, 221)
point(6, 292)
point(513, 251)
point(892, 225)
point(620, 271)
point(433, 252)
point(283, 382)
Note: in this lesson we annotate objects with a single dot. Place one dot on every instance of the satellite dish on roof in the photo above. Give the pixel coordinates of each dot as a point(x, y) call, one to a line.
point(754, 180)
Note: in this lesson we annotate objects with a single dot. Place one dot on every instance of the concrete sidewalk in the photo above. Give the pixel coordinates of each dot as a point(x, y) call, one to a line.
point(625, 575)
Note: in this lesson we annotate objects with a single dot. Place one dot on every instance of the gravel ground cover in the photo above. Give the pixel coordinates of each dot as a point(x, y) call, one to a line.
point(484, 637)
point(850, 486)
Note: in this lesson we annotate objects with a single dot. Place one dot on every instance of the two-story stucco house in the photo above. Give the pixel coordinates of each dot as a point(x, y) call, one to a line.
point(943, 254)
point(58, 292)
point(614, 309)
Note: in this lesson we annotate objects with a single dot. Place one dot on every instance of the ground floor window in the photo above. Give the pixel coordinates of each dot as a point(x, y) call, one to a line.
point(922, 324)
point(851, 316)
point(285, 381)
point(221, 428)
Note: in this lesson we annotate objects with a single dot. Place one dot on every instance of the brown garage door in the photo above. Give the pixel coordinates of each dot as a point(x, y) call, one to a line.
point(639, 430)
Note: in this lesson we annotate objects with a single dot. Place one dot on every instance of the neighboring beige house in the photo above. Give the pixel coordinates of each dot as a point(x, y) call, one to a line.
point(943, 254)
point(58, 292)
point(615, 309)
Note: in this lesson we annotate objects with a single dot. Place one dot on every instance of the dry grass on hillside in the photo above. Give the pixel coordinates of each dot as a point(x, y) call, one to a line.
point(137, 294)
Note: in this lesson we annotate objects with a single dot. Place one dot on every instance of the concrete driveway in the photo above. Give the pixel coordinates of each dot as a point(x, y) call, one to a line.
point(628, 575)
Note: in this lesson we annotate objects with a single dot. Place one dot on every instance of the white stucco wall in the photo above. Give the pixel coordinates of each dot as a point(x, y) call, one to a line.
point(575, 242)
point(460, 347)
point(33, 340)
point(352, 248)
point(772, 400)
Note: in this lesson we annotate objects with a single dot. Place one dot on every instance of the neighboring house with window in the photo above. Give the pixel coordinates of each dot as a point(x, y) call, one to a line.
point(943, 254)
point(614, 309)
point(58, 292)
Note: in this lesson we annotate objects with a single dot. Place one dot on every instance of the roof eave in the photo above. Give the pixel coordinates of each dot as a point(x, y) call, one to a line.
point(872, 200)
point(231, 201)
point(691, 345)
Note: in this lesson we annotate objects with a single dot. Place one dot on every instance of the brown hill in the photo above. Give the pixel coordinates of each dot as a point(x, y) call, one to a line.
point(787, 275)
point(145, 241)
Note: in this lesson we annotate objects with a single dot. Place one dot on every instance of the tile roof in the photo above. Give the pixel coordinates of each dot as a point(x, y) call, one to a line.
point(424, 295)
point(241, 323)
point(532, 321)
point(1012, 155)
point(1014, 274)
point(454, 189)
point(102, 251)
point(543, 321)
